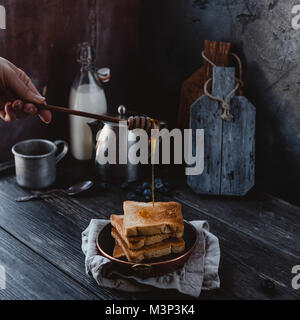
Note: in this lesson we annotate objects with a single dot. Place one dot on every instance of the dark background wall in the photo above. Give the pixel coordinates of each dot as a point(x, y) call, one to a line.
point(261, 33)
point(42, 37)
point(151, 47)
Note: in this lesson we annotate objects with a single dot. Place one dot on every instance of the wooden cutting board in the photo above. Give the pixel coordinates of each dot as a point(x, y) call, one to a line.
point(229, 146)
point(192, 88)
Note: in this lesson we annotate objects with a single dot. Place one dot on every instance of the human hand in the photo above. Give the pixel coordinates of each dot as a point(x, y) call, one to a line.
point(18, 95)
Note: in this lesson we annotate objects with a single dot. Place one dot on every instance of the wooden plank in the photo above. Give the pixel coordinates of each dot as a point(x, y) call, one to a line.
point(262, 216)
point(265, 218)
point(101, 207)
point(88, 208)
point(267, 222)
point(206, 114)
point(48, 34)
point(208, 119)
point(30, 277)
point(54, 231)
point(49, 234)
point(238, 150)
point(229, 146)
point(119, 48)
point(240, 245)
point(78, 218)
point(245, 258)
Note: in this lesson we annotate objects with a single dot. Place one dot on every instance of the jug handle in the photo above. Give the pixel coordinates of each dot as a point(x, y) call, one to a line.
point(65, 150)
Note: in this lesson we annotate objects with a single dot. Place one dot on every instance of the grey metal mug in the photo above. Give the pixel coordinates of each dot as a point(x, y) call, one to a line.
point(35, 162)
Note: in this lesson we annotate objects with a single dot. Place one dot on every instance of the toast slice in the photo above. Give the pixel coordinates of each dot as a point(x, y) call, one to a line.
point(118, 252)
point(139, 241)
point(171, 245)
point(141, 218)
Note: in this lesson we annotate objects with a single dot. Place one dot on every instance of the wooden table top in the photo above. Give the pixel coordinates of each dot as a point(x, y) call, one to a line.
point(40, 241)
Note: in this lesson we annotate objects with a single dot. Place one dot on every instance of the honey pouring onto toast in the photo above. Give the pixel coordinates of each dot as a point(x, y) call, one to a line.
point(155, 125)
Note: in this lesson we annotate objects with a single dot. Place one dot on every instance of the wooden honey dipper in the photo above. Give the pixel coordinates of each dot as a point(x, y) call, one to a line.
point(133, 122)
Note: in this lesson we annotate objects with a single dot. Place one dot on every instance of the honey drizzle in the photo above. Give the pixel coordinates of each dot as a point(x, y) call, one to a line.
point(155, 124)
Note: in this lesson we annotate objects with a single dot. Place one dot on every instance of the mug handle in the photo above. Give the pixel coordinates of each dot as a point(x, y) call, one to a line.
point(64, 151)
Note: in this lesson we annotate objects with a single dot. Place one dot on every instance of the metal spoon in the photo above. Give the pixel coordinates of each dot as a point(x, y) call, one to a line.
point(72, 191)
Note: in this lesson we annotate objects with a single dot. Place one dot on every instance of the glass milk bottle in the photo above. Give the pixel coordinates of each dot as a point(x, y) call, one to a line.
point(87, 95)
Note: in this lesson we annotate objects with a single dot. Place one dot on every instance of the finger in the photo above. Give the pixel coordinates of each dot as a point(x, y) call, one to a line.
point(17, 107)
point(5, 61)
point(45, 116)
point(27, 81)
point(30, 109)
point(24, 77)
point(20, 89)
point(9, 114)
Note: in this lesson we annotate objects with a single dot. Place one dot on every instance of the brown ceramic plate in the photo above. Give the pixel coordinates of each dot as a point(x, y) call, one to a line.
point(151, 267)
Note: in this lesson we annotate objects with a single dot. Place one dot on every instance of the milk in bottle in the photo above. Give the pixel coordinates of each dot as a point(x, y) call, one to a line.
point(87, 95)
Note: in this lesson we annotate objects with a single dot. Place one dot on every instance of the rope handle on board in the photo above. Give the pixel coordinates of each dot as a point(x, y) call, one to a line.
point(226, 116)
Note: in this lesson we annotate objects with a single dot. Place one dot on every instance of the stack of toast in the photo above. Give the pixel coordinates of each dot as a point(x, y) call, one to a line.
point(146, 232)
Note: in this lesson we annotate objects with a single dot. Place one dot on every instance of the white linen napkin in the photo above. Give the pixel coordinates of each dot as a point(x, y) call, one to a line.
point(200, 272)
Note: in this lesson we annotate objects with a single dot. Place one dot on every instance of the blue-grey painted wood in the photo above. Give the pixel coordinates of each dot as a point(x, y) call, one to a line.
point(238, 153)
point(229, 147)
point(205, 118)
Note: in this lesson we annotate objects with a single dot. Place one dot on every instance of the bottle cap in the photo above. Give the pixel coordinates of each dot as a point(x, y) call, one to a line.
point(104, 74)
